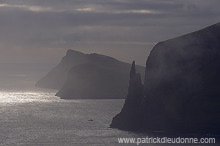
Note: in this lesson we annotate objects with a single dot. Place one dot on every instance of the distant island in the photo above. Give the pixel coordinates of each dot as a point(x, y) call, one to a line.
point(181, 90)
point(90, 76)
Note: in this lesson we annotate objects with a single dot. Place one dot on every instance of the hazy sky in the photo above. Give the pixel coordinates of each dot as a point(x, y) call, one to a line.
point(42, 30)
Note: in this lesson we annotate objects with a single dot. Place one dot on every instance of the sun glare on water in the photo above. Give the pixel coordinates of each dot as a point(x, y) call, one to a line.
point(24, 97)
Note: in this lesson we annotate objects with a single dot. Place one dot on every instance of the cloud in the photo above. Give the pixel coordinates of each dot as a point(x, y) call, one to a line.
point(110, 26)
point(90, 10)
point(26, 7)
point(84, 9)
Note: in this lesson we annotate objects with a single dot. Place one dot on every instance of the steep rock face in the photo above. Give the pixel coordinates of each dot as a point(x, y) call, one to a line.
point(56, 77)
point(131, 110)
point(80, 75)
point(182, 84)
point(94, 81)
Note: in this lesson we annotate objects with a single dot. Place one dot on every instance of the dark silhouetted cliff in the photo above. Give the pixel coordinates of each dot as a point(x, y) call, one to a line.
point(182, 84)
point(81, 75)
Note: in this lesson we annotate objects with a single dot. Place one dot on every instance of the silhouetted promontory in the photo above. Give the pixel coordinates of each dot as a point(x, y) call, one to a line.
point(80, 75)
point(181, 87)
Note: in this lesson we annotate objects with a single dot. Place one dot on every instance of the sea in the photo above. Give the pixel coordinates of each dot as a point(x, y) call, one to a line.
point(31, 116)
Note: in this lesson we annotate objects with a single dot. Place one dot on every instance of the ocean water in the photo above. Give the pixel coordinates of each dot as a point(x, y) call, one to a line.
point(37, 117)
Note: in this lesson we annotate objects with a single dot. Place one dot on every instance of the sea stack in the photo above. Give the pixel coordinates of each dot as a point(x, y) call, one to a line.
point(182, 85)
point(131, 110)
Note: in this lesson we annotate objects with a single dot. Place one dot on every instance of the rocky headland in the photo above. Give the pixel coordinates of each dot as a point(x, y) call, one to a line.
point(90, 76)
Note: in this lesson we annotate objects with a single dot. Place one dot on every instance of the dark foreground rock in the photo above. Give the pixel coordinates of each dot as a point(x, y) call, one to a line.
point(80, 75)
point(182, 85)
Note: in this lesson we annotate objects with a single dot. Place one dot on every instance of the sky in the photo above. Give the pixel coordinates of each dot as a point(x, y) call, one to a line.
point(41, 31)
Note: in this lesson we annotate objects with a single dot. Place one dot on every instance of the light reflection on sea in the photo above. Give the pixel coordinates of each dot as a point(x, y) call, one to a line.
point(16, 97)
point(37, 117)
